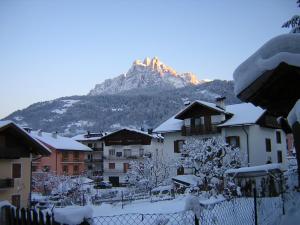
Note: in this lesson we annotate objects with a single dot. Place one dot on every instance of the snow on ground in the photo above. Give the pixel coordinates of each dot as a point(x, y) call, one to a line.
point(68, 104)
point(292, 216)
point(141, 206)
point(72, 215)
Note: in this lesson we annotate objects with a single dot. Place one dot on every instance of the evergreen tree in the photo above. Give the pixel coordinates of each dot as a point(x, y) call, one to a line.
point(294, 22)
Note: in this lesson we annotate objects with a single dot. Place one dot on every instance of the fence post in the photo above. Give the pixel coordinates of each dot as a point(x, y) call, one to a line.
point(29, 216)
point(23, 216)
point(255, 206)
point(13, 218)
point(35, 220)
point(48, 219)
point(122, 198)
point(18, 221)
point(8, 216)
point(41, 218)
point(196, 220)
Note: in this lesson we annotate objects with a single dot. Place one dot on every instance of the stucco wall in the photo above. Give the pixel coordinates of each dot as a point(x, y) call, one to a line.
point(21, 185)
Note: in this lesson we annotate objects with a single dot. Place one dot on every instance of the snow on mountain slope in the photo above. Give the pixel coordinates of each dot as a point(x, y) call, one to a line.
point(149, 73)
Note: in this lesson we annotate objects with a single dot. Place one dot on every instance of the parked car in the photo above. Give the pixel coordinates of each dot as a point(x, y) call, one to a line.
point(103, 185)
point(162, 192)
point(44, 205)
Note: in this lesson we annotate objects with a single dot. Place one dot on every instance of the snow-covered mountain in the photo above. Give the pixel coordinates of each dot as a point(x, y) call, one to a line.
point(147, 74)
point(76, 114)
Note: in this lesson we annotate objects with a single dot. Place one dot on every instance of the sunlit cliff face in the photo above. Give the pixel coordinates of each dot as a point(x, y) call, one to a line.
point(156, 65)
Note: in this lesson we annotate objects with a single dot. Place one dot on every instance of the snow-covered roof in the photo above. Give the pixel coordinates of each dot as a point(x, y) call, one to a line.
point(244, 113)
point(88, 137)
point(137, 131)
point(283, 48)
point(4, 123)
point(58, 142)
point(189, 180)
point(170, 125)
point(203, 103)
point(251, 169)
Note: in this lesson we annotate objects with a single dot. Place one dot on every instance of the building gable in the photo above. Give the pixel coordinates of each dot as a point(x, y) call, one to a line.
point(127, 137)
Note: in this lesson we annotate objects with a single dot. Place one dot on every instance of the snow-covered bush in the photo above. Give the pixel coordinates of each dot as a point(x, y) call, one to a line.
point(210, 158)
point(147, 174)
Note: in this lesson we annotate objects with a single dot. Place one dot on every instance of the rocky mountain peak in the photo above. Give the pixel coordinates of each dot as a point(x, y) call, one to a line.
point(145, 74)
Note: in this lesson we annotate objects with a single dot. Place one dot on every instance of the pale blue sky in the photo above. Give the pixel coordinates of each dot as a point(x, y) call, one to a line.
point(50, 49)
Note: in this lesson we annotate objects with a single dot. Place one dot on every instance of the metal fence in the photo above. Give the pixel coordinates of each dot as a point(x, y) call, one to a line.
point(179, 218)
point(237, 211)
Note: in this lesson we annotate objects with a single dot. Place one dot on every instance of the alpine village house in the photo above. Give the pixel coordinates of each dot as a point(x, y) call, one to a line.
point(253, 130)
point(17, 148)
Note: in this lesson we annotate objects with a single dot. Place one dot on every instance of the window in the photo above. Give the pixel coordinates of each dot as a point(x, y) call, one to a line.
point(76, 156)
point(90, 145)
point(279, 156)
point(178, 146)
point(46, 168)
point(268, 145)
point(16, 170)
point(111, 166)
point(65, 156)
point(75, 170)
point(65, 169)
point(112, 152)
point(278, 137)
point(234, 141)
point(187, 122)
point(180, 171)
point(125, 167)
point(141, 152)
point(127, 152)
point(16, 200)
point(119, 154)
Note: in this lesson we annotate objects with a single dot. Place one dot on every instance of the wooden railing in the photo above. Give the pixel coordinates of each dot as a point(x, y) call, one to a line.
point(199, 130)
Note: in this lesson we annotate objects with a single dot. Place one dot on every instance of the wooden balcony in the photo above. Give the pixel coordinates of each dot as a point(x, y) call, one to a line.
point(199, 130)
point(6, 183)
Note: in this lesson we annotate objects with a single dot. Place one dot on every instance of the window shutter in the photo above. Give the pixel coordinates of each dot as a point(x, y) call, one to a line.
point(237, 141)
point(16, 173)
point(228, 140)
point(176, 148)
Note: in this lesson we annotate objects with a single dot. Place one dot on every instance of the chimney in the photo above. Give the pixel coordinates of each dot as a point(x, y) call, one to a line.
point(28, 129)
point(220, 102)
point(187, 102)
point(54, 134)
point(40, 132)
point(150, 131)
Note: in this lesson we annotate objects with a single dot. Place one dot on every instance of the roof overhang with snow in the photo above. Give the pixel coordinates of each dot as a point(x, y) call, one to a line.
point(186, 180)
point(270, 77)
point(255, 171)
point(199, 108)
point(31, 145)
point(127, 137)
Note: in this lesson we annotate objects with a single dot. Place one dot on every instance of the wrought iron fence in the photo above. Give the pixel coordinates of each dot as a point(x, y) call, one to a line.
point(179, 218)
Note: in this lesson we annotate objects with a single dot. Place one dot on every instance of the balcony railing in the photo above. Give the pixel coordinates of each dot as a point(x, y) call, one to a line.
point(199, 130)
point(111, 157)
point(6, 183)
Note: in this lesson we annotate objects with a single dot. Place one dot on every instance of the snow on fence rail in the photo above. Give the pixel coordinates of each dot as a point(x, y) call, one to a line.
point(178, 218)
